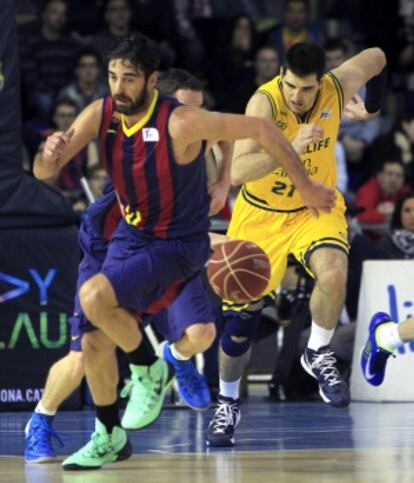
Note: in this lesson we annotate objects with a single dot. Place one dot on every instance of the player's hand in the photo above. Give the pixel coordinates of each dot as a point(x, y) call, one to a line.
point(55, 145)
point(308, 134)
point(218, 192)
point(355, 110)
point(318, 197)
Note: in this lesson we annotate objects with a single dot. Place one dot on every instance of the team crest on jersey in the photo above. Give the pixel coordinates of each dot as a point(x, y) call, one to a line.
point(1, 76)
point(150, 134)
point(281, 125)
point(326, 114)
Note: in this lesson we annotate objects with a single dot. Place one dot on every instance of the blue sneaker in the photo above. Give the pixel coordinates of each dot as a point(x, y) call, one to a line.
point(320, 364)
point(38, 444)
point(373, 357)
point(192, 386)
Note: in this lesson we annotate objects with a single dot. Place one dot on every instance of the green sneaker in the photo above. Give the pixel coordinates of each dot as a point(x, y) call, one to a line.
point(146, 392)
point(102, 448)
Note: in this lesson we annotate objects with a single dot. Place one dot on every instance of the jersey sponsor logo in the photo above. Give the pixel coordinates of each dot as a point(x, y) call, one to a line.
point(150, 134)
point(325, 114)
point(323, 144)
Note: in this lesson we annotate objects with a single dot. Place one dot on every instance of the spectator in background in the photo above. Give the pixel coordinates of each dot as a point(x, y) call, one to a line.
point(295, 27)
point(118, 16)
point(87, 86)
point(399, 244)
point(401, 137)
point(47, 58)
point(96, 178)
point(355, 136)
point(84, 17)
point(232, 74)
point(266, 66)
point(380, 194)
point(190, 45)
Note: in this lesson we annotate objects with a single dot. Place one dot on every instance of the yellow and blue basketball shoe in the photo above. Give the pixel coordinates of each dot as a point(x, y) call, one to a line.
point(192, 386)
point(38, 443)
point(373, 356)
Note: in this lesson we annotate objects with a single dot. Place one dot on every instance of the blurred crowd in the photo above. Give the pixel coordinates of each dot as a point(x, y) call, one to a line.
point(232, 46)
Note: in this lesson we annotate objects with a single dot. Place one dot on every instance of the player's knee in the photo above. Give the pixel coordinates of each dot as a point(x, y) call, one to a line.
point(92, 296)
point(202, 334)
point(332, 279)
point(239, 332)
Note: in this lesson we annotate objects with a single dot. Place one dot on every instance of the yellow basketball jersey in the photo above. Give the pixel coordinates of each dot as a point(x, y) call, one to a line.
point(276, 192)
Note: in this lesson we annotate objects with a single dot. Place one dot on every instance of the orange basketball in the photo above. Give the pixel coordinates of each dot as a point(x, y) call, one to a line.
point(238, 271)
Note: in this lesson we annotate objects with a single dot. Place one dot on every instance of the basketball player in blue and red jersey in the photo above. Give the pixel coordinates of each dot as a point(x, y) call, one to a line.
point(150, 379)
point(153, 151)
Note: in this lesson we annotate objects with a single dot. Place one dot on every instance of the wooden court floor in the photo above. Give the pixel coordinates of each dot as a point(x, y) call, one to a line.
point(276, 442)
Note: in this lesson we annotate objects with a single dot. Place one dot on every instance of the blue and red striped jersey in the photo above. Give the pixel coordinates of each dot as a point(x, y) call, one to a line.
point(161, 198)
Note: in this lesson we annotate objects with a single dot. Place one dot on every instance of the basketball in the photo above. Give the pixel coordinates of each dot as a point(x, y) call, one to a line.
point(238, 271)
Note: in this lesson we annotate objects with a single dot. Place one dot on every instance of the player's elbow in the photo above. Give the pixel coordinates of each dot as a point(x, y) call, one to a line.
point(236, 174)
point(39, 172)
point(380, 58)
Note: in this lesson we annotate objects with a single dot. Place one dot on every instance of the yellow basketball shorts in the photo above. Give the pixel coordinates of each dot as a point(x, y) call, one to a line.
point(280, 234)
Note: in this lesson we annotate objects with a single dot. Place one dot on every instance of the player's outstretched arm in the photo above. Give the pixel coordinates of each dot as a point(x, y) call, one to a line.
point(367, 67)
point(61, 147)
point(190, 125)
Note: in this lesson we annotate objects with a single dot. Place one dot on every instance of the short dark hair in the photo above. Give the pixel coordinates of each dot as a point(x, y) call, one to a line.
point(46, 3)
point(305, 2)
point(396, 216)
point(305, 58)
point(65, 101)
point(138, 49)
point(335, 43)
point(174, 79)
point(392, 155)
point(88, 51)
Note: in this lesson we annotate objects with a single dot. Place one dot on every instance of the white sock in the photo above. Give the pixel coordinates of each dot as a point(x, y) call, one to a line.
point(42, 410)
point(319, 337)
point(177, 354)
point(388, 337)
point(230, 389)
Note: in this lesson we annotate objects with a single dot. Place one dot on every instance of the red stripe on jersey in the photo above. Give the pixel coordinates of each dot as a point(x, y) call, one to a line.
point(139, 179)
point(117, 172)
point(167, 298)
point(112, 218)
point(107, 113)
point(166, 188)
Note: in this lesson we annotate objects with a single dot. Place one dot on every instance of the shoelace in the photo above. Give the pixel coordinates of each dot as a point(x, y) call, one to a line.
point(44, 443)
point(140, 390)
point(189, 372)
point(98, 446)
point(223, 417)
point(325, 364)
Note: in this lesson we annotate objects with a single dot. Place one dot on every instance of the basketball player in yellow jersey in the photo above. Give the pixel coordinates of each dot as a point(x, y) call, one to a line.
point(306, 104)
